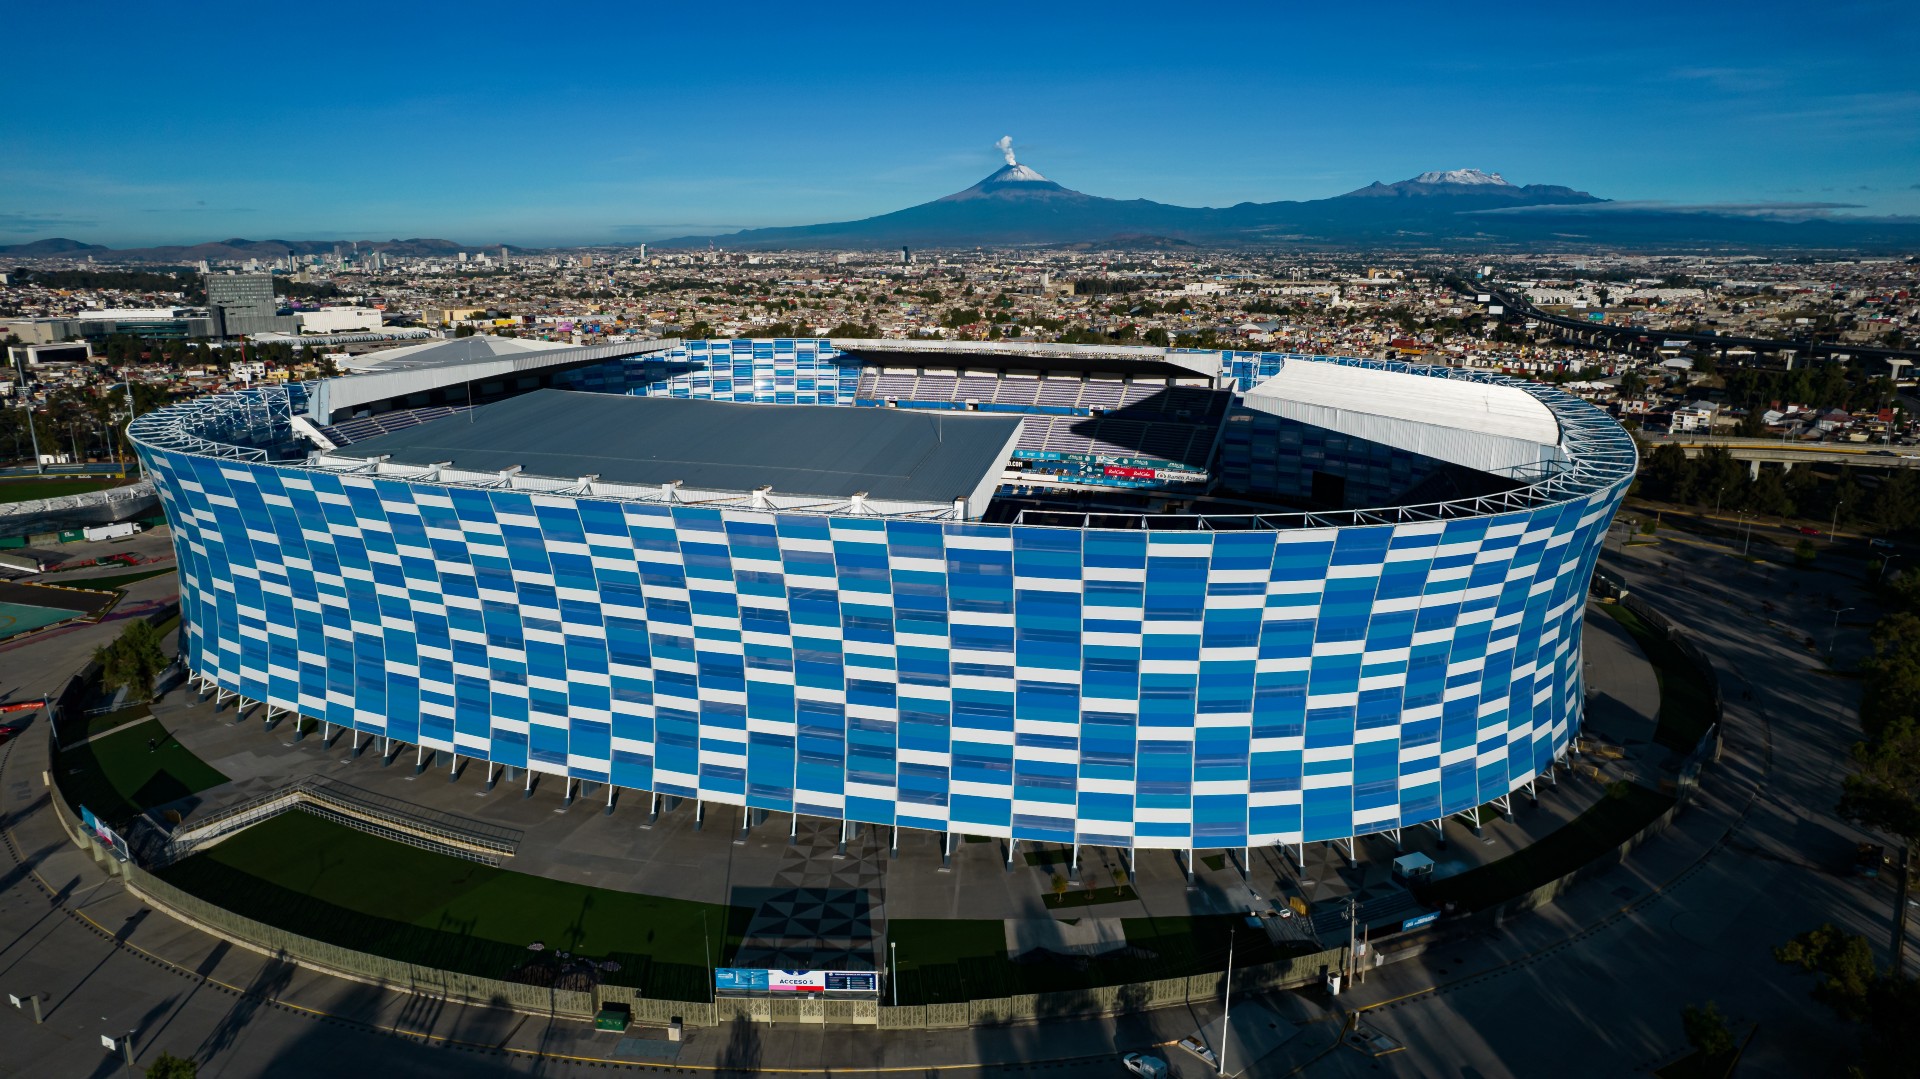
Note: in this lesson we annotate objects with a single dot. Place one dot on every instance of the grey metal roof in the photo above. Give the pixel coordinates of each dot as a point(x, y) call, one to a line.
point(824, 450)
point(332, 396)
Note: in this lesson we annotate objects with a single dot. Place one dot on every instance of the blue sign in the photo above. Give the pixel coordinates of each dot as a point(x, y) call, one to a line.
point(1419, 920)
point(740, 980)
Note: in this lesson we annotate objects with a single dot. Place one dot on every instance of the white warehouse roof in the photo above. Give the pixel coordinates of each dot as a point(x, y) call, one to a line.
point(1479, 425)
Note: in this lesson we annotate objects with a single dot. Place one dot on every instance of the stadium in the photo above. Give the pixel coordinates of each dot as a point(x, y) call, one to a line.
point(1130, 597)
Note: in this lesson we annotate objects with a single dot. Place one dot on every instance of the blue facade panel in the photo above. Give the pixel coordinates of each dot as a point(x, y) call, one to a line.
point(1158, 689)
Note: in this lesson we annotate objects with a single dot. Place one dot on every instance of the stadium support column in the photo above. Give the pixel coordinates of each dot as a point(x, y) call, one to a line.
point(1012, 845)
point(1073, 864)
point(946, 849)
point(419, 758)
point(529, 789)
point(1189, 865)
point(356, 742)
point(609, 799)
point(326, 733)
point(386, 750)
point(893, 832)
point(793, 830)
point(453, 767)
point(492, 769)
point(843, 835)
point(653, 807)
point(699, 814)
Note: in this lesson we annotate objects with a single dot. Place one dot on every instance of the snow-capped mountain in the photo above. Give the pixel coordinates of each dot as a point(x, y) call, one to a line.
point(1457, 182)
point(1461, 176)
point(1017, 205)
point(1015, 174)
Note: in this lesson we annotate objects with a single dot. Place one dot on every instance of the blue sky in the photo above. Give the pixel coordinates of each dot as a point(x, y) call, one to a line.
point(572, 123)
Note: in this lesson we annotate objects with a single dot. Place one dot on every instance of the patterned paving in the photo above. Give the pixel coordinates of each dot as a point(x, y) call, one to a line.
point(825, 911)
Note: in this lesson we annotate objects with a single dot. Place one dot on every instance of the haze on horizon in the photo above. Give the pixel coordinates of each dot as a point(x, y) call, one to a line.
point(597, 123)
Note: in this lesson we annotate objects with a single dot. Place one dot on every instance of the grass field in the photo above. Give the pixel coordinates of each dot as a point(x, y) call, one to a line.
point(947, 961)
point(1626, 809)
point(118, 776)
point(23, 618)
point(1686, 706)
point(106, 721)
point(334, 884)
point(30, 490)
point(112, 582)
point(345, 887)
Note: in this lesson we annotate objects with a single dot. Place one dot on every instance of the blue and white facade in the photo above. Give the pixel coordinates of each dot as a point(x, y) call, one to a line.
point(1297, 678)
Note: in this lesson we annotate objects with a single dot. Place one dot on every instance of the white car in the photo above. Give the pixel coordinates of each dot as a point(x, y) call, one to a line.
point(1143, 1064)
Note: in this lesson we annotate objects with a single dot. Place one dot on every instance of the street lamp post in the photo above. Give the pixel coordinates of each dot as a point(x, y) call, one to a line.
point(1833, 635)
point(893, 970)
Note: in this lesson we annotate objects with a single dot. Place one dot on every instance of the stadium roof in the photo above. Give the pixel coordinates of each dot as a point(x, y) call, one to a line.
point(1482, 425)
point(432, 367)
point(443, 352)
point(826, 451)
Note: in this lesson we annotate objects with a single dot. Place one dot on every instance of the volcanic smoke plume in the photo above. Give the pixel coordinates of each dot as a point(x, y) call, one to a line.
point(1005, 146)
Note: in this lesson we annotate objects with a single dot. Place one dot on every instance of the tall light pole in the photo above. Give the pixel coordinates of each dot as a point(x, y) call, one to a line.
point(893, 970)
point(33, 432)
point(1833, 635)
point(1226, 1008)
point(131, 414)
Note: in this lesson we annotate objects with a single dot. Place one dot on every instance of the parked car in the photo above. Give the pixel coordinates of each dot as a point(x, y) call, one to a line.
point(1868, 859)
point(1147, 1065)
point(1809, 530)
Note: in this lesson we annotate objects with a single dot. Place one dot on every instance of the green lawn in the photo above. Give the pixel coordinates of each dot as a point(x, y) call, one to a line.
point(107, 721)
point(947, 961)
point(335, 884)
point(30, 490)
point(112, 581)
point(118, 776)
point(1686, 705)
point(1626, 809)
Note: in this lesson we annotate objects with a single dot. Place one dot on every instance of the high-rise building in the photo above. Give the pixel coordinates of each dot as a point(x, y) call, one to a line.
point(243, 303)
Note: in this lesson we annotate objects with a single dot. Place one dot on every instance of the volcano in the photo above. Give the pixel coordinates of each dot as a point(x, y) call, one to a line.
point(1016, 206)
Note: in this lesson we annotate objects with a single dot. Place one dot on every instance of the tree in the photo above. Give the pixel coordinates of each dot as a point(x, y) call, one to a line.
point(1707, 1029)
point(1119, 879)
point(168, 1066)
point(1846, 981)
point(133, 660)
point(1891, 677)
point(1803, 554)
point(1885, 793)
point(1059, 889)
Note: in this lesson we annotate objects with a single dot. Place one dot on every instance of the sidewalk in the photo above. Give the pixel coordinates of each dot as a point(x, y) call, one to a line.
point(178, 956)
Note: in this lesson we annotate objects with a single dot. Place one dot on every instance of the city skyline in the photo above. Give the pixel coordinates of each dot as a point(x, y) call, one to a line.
point(575, 143)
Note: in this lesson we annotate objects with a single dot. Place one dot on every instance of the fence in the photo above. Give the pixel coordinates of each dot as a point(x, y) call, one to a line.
point(329, 958)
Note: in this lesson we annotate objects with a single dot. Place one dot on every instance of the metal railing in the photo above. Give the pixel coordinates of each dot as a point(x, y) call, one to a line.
point(355, 807)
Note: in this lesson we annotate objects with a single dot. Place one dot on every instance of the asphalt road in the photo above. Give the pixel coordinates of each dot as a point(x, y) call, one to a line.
point(1595, 985)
